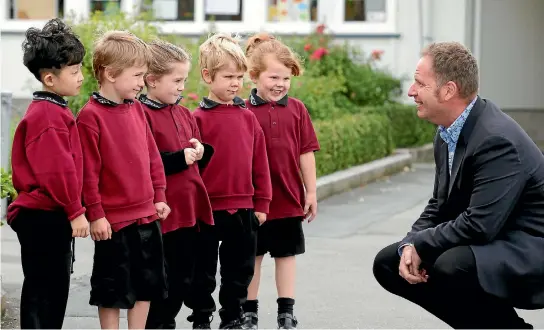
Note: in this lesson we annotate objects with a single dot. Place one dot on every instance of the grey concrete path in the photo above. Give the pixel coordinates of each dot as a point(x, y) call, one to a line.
point(335, 288)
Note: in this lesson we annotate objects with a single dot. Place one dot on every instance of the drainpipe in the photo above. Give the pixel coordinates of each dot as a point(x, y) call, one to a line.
point(425, 22)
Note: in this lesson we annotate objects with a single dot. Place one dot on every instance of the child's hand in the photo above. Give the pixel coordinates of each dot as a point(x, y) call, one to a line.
point(310, 207)
point(100, 230)
point(163, 210)
point(198, 147)
point(261, 217)
point(80, 226)
point(190, 155)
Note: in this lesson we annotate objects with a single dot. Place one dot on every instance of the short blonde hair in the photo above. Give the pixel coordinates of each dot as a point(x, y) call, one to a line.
point(163, 54)
point(215, 53)
point(119, 50)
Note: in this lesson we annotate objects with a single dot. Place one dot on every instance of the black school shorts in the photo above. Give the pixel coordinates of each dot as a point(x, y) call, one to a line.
point(281, 238)
point(129, 267)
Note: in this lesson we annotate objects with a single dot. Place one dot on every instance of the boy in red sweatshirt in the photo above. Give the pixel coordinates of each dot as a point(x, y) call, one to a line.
point(123, 185)
point(47, 174)
point(177, 137)
point(238, 182)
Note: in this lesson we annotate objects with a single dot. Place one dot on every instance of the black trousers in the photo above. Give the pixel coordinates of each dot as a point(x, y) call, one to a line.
point(452, 293)
point(46, 258)
point(180, 256)
point(238, 235)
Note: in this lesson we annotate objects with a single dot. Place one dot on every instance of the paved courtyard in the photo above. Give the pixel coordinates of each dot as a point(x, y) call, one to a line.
point(335, 289)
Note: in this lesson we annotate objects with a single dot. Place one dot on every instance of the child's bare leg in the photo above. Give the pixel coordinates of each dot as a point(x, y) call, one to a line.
point(253, 289)
point(109, 318)
point(285, 276)
point(137, 316)
point(285, 284)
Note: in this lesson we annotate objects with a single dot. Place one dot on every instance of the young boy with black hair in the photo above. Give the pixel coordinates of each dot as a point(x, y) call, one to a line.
point(47, 171)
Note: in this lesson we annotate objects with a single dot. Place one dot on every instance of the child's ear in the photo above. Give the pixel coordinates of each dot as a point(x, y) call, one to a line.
point(48, 79)
point(254, 77)
point(206, 76)
point(108, 74)
point(151, 80)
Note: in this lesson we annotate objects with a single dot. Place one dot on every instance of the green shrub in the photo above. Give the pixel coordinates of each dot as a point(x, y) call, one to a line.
point(6, 185)
point(408, 130)
point(352, 140)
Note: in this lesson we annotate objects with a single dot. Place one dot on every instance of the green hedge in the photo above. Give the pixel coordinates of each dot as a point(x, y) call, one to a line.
point(408, 130)
point(374, 133)
point(352, 140)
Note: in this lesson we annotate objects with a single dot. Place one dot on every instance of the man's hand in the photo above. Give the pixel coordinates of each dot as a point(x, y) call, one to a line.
point(198, 147)
point(409, 266)
point(163, 210)
point(310, 207)
point(190, 155)
point(261, 217)
point(80, 226)
point(100, 230)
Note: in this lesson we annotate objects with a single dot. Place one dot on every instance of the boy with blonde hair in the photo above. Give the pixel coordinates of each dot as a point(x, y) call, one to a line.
point(237, 179)
point(123, 185)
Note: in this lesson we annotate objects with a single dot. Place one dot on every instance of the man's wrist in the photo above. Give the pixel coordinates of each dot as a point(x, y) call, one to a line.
point(401, 248)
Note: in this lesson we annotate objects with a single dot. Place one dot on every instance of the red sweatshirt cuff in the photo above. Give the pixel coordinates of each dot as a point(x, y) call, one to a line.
point(160, 196)
point(95, 212)
point(261, 205)
point(74, 210)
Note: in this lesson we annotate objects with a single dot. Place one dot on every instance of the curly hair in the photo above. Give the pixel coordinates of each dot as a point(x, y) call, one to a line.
point(51, 48)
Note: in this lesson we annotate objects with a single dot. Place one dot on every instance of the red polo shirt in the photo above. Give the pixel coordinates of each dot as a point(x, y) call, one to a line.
point(289, 133)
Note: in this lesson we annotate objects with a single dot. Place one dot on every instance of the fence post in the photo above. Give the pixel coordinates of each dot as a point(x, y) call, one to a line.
point(5, 147)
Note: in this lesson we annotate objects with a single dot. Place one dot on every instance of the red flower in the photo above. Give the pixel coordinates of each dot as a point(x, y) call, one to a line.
point(320, 29)
point(376, 54)
point(192, 96)
point(307, 47)
point(319, 53)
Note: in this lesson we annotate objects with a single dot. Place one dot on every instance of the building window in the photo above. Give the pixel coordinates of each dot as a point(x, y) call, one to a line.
point(292, 10)
point(365, 11)
point(223, 10)
point(32, 9)
point(171, 10)
point(106, 6)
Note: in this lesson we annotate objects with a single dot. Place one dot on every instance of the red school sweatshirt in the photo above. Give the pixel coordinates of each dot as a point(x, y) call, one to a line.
point(238, 175)
point(46, 160)
point(173, 126)
point(123, 174)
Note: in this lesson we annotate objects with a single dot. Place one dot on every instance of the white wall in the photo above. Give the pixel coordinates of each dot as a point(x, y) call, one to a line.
point(512, 53)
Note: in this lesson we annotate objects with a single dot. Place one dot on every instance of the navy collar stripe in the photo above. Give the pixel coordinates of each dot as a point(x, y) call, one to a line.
point(256, 100)
point(50, 97)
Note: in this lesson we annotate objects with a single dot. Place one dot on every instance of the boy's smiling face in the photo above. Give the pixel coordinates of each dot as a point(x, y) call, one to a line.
point(128, 83)
point(225, 84)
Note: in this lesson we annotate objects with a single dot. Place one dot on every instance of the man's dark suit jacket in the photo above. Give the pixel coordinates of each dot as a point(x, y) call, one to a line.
point(493, 202)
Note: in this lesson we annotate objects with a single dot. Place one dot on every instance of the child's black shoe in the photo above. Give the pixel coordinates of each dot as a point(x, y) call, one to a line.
point(232, 324)
point(200, 321)
point(250, 320)
point(287, 321)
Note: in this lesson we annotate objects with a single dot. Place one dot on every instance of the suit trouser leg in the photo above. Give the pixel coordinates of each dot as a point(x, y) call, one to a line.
point(452, 293)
